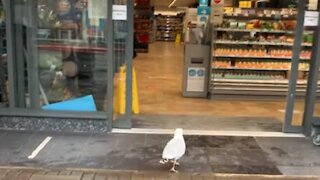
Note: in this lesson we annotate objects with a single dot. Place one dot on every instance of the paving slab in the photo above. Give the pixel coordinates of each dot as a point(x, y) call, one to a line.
point(54, 177)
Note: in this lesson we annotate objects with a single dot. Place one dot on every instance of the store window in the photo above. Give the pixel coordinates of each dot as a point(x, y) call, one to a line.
point(65, 54)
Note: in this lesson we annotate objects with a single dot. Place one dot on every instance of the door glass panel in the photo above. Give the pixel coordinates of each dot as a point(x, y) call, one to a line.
point(67, 59)
point(119, 41)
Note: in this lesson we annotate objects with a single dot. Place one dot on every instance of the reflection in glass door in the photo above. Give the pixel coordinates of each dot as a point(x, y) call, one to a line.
point(3, 60)
point(64, 54)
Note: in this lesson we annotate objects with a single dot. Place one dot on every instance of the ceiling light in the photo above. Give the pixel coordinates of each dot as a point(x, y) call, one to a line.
point(172, 3)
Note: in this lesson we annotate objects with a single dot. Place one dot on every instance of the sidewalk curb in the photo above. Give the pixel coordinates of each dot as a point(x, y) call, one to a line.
point(136, 172)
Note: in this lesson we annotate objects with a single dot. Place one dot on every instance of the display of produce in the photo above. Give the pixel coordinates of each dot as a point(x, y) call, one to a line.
point(168, 27)
point(259, 53)
point(252, 51)
point(246, 64)
point(262, 13)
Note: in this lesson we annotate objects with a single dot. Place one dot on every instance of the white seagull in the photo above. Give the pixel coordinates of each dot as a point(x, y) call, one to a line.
point(174, 149)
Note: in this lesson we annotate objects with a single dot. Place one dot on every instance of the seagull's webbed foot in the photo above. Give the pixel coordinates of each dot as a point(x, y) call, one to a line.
point(173, 167)
point(173, 170)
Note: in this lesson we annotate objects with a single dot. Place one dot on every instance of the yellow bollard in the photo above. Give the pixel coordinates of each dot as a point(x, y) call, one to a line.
point(122, 90)
point(120, 93)
point(178, 38)
point(135, 97)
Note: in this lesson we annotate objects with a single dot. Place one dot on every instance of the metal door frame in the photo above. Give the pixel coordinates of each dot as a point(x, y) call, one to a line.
point(296, 49)
point(308, 120)
point(16, 99)
point(126, 121)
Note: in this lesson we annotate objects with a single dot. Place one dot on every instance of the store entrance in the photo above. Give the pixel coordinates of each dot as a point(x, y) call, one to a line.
point(249, 71)
point(159, 75)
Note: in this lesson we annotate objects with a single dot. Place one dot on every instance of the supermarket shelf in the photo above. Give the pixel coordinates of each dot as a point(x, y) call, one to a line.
point(267, 85)
point(255, 88)
point(258, 43)
point(248, 16)
point(254, 69)
point(259, 30)
point(275, 81)
point(256, 57)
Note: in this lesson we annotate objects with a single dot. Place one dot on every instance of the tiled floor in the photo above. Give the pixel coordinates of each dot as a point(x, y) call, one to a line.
point(159, 75)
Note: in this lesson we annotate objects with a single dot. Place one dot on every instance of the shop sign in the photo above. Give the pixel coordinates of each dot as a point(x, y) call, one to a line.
point(203, 2)
point(203, 10)
point(311, 18)
point(196, 79)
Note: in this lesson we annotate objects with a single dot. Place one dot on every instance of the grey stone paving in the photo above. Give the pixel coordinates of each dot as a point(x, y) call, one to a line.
point(294, 156)
point(45, 174)
point(140, 152)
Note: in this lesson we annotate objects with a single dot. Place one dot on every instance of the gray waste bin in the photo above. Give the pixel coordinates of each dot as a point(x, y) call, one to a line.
point(196, 70)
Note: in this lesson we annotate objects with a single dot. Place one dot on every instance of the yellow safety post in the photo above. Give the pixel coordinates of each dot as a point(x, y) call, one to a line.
point(178, 38)
point(121, 93)
point(135, 97)
point(120, 100)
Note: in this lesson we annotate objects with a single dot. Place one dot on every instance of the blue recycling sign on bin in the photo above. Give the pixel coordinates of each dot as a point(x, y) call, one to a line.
point(203, 10)
point(200, 72)
point(203, 2)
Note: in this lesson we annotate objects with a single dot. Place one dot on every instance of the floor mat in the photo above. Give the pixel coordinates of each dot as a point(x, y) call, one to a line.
point(205, 154)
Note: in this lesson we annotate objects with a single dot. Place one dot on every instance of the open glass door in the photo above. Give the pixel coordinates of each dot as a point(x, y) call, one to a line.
point(299, 111)
point(61, 62)
point(122, 54)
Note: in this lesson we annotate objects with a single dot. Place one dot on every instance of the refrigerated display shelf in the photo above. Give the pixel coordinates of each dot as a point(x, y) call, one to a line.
point(271, 81)
point(258, 43)
point(259, 30)
point(268, 85)
point(271, 17)
point(255, 69)
point(257, 57)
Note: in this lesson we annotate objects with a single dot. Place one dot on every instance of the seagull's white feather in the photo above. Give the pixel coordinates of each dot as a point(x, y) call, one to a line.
point(175, 148)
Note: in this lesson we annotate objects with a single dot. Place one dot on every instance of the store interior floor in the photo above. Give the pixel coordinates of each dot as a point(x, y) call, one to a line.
point(159, 76)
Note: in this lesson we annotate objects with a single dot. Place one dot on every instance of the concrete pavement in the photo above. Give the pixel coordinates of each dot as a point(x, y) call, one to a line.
point(68, 174)
point(140, 153)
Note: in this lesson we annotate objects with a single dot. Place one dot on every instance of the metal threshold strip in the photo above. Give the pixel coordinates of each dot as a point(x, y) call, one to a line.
point(208, 133)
